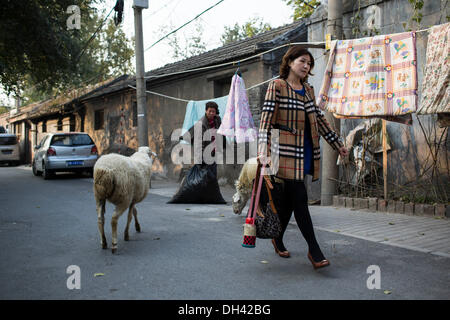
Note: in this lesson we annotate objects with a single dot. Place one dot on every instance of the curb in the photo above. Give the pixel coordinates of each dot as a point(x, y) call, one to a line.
point(387, 242)
point(438, 211)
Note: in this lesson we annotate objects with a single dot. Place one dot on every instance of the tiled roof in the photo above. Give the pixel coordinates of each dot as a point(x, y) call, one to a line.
point(229, 52)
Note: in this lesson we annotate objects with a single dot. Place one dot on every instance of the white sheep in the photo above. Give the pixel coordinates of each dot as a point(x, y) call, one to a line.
point(123, 181)
point(244, 185)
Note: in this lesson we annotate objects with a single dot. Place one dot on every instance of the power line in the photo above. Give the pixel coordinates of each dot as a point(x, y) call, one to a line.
point(93, 35)
point(185, 100)
point(247, 89)
point(316, 45)
point(158, 10)
point(183, 25)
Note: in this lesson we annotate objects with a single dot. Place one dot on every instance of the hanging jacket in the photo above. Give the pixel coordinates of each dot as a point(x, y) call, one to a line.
point(238, 121)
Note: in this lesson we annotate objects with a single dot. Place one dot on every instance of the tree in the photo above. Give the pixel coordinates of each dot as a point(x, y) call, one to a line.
point(3, 109)
point(302, 8)
point(35, 41)
point(43, 58)
point(108, 54)
point(115, 51)
point(247, 30)
point(187, 47)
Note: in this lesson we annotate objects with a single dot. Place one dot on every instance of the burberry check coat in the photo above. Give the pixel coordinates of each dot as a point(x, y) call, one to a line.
point(283, 106)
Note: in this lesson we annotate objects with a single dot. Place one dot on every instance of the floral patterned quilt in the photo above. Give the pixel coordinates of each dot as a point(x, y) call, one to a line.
point(372, 77)
point(435, 85)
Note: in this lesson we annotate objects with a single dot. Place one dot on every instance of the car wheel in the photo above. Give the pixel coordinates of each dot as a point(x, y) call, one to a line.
point(46, 174)
point(35, 171)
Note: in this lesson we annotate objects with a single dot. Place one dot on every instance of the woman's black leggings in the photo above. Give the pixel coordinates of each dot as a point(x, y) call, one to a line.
point(295, 198)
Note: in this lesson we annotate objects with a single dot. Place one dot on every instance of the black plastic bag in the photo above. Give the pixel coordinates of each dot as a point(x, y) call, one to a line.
point(199, 185)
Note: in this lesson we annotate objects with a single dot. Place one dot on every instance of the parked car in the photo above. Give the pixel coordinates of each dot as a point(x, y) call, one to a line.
point(64, 152)
point(9, 149)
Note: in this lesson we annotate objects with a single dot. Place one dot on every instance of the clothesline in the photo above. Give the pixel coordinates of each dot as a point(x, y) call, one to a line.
point(235, 62)
point(184, 100)
point(378, 79)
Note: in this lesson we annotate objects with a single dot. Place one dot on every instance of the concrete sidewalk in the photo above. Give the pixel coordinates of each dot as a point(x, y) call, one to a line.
point(424, 234)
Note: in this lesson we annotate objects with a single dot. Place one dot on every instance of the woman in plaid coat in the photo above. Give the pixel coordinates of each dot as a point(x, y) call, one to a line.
point(289, 107)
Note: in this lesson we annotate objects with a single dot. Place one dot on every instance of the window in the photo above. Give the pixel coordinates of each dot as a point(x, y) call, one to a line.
point(99, 119)
point(61, 141)
point(135, 118)
point(71, 140)
point(18, 128)
point(8, 140)
point(72, 123)
point(59, 125)
point(222, 87)
point(44, 126)
point(44, 139)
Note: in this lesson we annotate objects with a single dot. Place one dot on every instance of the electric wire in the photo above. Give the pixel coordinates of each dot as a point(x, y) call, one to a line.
point(182, 26)
point(93, 35)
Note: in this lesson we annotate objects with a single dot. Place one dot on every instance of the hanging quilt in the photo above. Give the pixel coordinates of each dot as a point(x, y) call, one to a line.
point(372, 77)
point(435, 86)
point(237, 121)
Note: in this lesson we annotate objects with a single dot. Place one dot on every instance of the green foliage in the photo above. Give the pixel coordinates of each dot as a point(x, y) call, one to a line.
point(417, 16)
point(187, 47)
point(35, 41)
point(417, 5)
point(115, 51)
point(40, 58)
point(249, 29)
point(196, 44)
point(302, 8)
point(356, 21)
point(3, 109)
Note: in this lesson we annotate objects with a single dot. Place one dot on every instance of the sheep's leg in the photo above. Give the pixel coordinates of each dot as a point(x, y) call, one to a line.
point(117, 213)
point(101, 222)
point(130, 216)
point(136, 222)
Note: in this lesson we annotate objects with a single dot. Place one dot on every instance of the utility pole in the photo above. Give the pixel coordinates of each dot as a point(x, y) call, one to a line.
point(141, 96)
point(330, 171)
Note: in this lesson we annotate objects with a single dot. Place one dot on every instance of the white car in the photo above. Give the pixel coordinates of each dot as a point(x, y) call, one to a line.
point(64, 152)
point(9, 149)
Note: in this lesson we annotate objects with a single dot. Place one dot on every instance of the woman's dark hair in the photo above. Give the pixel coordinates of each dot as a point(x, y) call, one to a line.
point(292, 54)
point(212, 104)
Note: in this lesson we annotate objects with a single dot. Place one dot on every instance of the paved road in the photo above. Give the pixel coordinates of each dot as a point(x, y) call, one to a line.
point(184, 252)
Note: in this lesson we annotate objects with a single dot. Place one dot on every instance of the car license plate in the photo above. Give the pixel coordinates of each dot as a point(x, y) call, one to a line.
point(75, 163)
